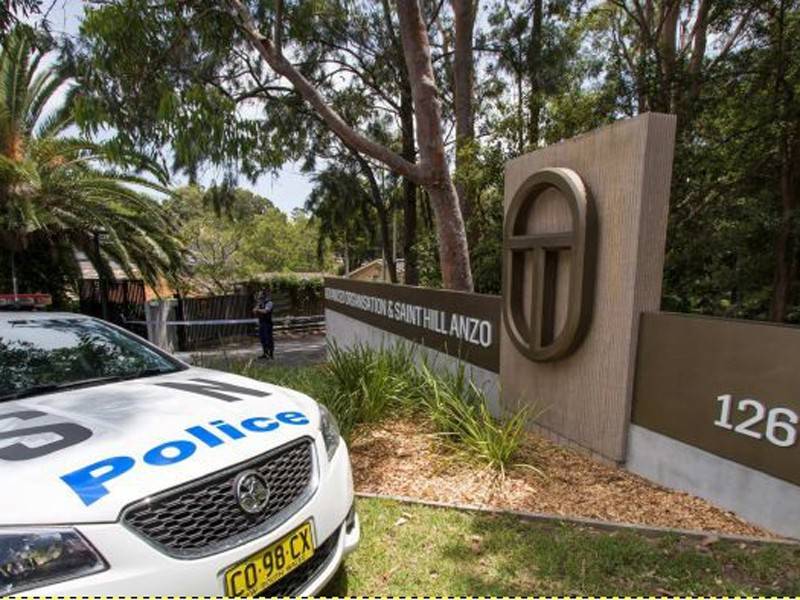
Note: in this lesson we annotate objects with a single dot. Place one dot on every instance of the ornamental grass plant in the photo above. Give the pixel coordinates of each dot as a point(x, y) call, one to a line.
point(362, 384)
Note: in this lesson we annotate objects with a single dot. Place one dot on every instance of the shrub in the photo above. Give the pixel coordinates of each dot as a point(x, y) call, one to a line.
point(362, 384)
point(374, 383)
point(304, 293)
point(459, 410)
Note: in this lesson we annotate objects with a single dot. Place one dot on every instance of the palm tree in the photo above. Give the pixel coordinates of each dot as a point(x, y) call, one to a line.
point(59, 192)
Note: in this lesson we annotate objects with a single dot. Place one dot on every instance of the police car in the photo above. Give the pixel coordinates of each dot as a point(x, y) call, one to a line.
point(127, 471)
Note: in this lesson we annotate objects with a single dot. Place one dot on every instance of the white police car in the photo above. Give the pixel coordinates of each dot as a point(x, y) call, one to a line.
point(126, 471)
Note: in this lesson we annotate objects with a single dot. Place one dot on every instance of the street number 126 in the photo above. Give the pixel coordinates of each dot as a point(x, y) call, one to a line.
point(780, 428)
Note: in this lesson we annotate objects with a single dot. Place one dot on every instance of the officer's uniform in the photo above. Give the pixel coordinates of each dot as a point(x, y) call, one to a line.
point(265, 327)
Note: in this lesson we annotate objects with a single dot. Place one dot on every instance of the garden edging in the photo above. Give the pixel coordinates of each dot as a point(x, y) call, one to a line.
point(586, 522)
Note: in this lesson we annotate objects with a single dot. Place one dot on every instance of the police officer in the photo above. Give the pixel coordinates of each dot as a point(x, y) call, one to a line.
point(263, 310)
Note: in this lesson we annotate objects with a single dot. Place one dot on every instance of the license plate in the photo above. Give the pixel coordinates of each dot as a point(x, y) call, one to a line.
point(267, 566)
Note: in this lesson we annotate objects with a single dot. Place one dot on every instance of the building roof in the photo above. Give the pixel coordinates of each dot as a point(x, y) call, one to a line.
point(377, 267)
point(89, 272)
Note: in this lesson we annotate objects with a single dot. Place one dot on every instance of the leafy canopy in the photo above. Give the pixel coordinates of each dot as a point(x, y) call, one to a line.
point(57, 191)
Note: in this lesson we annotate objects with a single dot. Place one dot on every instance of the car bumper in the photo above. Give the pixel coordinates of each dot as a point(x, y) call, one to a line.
point(137, 568)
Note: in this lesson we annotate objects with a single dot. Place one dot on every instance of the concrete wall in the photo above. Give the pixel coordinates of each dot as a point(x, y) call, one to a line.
point(347, 332)
point(626, 168)
point(753, 495)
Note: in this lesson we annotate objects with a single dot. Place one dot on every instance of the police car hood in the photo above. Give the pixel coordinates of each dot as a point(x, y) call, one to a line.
point(139, 429)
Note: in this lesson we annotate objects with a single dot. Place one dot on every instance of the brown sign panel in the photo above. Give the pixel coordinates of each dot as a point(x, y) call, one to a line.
point(456, 323)
point(729, 387)
point(532, 325)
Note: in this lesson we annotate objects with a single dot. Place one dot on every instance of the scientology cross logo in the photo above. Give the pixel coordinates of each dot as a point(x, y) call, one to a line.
point(531, 324)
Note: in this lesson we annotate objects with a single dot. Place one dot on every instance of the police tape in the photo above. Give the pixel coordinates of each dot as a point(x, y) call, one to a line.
point(204, 322)
point(309, 319)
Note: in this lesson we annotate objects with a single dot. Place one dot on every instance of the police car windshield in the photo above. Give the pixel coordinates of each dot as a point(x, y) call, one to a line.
point(42, 355)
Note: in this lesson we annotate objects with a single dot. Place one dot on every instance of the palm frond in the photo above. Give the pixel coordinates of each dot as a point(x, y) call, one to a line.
point(55, 123)
point(58, 190)
point(43, 86)
point(15, 75)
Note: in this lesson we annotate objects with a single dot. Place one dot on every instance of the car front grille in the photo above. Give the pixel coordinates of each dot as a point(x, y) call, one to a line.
point(203, 517)
point(294, 582)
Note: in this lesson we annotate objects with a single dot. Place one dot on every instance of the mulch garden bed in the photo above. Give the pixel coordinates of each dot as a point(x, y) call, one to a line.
point(404, 458)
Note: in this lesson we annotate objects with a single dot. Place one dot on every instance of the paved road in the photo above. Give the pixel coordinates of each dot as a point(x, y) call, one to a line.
point(289, 351)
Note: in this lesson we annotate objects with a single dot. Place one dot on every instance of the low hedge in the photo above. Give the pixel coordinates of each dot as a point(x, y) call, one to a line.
point(305, 293)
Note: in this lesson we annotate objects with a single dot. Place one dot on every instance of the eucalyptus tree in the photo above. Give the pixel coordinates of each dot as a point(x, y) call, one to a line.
point(729, 71)
point(363, 43)
point(58, 193)
point(431, 171)
point(222, 81)
point(537, 49)
point(668, 50)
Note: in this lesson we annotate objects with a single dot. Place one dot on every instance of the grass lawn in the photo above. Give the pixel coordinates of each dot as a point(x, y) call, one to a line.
point(414, 550)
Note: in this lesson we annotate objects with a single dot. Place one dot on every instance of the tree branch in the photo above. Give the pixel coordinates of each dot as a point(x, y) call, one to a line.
point(435, 15)
point(332, 119)
point(278, 36)
point(733, 37)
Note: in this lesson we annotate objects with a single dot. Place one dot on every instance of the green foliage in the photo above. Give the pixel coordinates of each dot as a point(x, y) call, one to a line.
point(728, 196)
point(310, 288)
point(427, 250)
point(539, 63)
point(12, 11)
point(365, 385)
point(242, 241)
point(733, 217)
point(372, 382)
point(178, 73)
point(345, 219)
point(484, 175)
point(460, 412)
point(157, 75)
point(305, 292)
point(57, 191)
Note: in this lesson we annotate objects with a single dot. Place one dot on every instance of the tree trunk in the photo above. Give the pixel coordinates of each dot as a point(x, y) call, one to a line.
point(666, 52)
point(346, 254)
point(453, 248)
point(411, 276)
point(427, 215)
point(520, 115)
point(698, 54)
point(535, 74)
point(409, 152)
point(333, 120)
point(386, 245)
point(432, 170)
point(376, 199)
point(789, 157)
point(785, 264)
point(14, 284)
point(463, 85)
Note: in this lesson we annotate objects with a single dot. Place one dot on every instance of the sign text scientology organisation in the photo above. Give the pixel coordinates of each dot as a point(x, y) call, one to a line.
point(479, 332)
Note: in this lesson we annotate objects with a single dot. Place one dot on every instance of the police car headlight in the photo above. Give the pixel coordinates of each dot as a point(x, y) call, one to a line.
point(330, 430)
point(37, 557)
